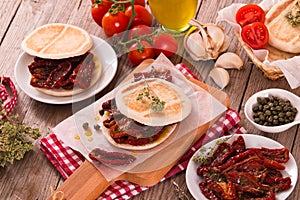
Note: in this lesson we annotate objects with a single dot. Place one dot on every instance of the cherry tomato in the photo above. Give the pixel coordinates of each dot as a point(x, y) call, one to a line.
point(166, 44)
point(139, 52)
point(250, 13)
point(256, 35)
point(136, 2)
point(140, 2)
point(139, 30)
point(142, 15)
point(114, 23)
point(99, 9)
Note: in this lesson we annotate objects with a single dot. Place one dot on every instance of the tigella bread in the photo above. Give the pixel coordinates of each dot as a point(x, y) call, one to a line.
point(57, 41)
point(63, 62)
point(283, 23)
point(177, 106)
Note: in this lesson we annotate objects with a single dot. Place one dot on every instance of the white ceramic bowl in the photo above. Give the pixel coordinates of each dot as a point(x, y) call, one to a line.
point(295, 100)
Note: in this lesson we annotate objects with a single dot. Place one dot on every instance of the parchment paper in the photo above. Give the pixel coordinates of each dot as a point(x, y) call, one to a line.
point(204, 108)
point(290, 67)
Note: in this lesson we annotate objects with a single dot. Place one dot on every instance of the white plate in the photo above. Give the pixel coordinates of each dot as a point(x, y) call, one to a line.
point(192, 179)
point(101, 49)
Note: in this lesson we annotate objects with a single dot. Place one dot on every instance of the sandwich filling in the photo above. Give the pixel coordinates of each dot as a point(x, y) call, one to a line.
point(62, 73)
point(124, 130)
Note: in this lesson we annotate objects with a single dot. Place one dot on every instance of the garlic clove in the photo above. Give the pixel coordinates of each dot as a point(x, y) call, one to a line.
point(216, 35)
point(195, 46)
point(229, 60)
point(225, 45)
point(220, 76)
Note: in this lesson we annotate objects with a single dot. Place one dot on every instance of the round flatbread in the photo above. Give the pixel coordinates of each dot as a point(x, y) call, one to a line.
point(282, 34)
point(57, 41)
point(177, 105)
point(62, 92)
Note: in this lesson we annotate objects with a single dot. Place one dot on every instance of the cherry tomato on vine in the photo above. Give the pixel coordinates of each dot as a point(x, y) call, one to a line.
point(139, 30)
point(140, 51)
point(250, 13)
point(136, 2)
point(99, 9)
point(166, 44)
point(142, 15)
point(140, 2)
point(114, 23)
point(256, 35)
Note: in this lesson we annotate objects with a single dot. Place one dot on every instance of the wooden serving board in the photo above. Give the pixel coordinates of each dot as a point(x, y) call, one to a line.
point(88, 183)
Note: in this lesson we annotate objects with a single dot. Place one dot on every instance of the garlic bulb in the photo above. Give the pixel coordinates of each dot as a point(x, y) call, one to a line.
point(206, 42)
point(220, 76)
point(229, 60)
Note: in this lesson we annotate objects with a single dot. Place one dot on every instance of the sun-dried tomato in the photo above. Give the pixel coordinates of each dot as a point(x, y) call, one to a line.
point(248, 173)
point(58, 75)
point(62, 73)
point(111, 158)
point(280, 155)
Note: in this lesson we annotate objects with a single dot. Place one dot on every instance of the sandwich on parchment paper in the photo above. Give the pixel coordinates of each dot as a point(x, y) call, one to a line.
point(143, 114)
point(63, 64)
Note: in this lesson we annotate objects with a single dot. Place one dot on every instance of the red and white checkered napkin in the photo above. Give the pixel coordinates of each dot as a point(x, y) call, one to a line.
point(67, 160)
point(4, 95)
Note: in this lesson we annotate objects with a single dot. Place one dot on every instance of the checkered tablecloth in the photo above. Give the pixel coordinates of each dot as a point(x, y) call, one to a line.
point(66, 160)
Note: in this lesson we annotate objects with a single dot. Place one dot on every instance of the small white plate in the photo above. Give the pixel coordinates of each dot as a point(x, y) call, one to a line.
point(193, 180)
point(101, 49)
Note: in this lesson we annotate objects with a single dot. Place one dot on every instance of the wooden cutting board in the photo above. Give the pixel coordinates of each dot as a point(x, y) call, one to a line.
point(88, 183)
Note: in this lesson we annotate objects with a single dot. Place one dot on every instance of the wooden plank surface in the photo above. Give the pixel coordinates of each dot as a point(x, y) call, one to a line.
point(32, 177)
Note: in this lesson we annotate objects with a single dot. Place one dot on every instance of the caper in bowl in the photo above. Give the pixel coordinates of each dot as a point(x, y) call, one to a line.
point(273, 110)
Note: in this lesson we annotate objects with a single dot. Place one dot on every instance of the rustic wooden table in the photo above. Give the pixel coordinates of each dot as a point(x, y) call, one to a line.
point(32, 177)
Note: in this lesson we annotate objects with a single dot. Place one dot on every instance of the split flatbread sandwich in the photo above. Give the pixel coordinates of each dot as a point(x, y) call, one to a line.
point(144, 113)
point(63, 64)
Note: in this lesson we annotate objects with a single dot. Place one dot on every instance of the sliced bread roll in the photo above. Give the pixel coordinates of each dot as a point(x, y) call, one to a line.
point(57, 41)
point(177, 105)
point(283, 34)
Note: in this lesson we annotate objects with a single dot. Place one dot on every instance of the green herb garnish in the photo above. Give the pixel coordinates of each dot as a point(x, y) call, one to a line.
point(208, 152)
point(293, 16)
point(156, 104)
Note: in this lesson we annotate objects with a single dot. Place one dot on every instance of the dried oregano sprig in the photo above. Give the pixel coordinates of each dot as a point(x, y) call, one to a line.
point(208, 152)
point(156, 104)
point(14, 138)
point(293, 16)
